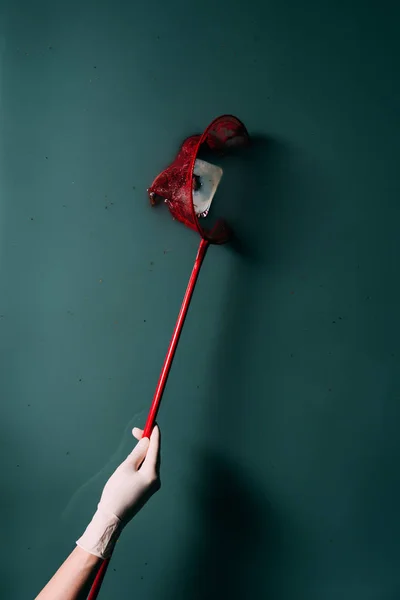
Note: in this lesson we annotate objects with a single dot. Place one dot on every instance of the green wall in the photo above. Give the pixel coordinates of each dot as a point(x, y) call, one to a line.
point(280, 421)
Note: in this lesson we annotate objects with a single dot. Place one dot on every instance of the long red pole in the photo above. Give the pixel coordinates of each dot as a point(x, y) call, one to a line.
point(175, 339)
point(151, 417)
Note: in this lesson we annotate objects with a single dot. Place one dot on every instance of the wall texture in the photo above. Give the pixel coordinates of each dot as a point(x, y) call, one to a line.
point(280, 421)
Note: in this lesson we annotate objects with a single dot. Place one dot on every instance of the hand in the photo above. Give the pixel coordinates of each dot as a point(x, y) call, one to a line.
point(127, 490)
point(135, 480)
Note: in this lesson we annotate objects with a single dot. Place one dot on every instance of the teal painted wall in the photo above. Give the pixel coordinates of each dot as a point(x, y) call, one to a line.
point(280, 421)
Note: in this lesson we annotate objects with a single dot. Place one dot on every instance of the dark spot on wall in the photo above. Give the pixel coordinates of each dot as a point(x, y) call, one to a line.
point(144, 320)
point(333, 321)
point(80, 380)
point(50, 47)
point(17, 465)
point(67, 453)
point(31, 218)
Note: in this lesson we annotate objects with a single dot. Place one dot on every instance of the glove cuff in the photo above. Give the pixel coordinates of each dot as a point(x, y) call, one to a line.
point(101, 534)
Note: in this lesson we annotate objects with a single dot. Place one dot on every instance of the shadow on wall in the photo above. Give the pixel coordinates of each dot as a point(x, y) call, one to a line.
point(238, 534)
point(235, 521)
point(244, 544)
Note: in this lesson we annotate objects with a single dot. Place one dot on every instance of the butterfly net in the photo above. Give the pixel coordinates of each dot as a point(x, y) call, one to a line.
point(188, 185)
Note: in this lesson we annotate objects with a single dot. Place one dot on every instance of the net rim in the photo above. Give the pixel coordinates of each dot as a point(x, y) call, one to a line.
point(220, 233)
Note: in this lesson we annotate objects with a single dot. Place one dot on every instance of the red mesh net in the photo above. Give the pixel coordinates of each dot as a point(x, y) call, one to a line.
point(175, 185)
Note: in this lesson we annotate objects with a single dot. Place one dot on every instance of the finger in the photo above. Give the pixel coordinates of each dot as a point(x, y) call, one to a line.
point(137, 433)
point(150, 462)
point(139, 452)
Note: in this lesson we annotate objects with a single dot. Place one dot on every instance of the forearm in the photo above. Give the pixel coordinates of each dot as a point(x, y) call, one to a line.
point(74, 578)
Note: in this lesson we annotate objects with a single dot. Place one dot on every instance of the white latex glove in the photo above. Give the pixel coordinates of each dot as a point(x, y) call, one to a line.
point(127, 490)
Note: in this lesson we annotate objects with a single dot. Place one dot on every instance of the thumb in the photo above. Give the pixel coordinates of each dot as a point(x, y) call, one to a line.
point(138, 454)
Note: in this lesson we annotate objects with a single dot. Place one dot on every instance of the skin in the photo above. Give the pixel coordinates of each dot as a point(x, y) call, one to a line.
point(74, 578)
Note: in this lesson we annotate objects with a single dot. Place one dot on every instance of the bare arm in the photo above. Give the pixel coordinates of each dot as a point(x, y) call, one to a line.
point(74, 578)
